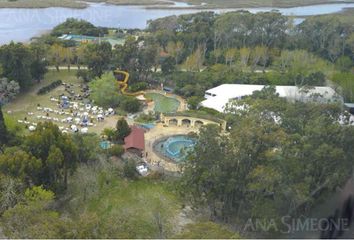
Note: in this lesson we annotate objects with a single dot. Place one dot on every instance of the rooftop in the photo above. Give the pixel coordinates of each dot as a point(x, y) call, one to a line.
point(135, 139)
point(218, 97)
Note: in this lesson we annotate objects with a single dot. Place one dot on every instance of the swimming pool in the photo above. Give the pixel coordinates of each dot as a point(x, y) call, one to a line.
point(175, 148)
point(105, 144)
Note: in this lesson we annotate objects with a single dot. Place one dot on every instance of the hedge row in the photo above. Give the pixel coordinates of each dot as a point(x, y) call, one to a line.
point(49, 87)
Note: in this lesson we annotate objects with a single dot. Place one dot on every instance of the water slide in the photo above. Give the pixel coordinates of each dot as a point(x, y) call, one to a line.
point(124, 84)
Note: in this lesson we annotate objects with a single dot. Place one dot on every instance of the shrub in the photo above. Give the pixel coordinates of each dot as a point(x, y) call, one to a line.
point(116, 150)
point(129, 169)
point(130, 104)
point(49, 87)
point(138, 87)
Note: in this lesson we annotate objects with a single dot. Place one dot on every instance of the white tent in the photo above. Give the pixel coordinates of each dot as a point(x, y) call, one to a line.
point(31, 128)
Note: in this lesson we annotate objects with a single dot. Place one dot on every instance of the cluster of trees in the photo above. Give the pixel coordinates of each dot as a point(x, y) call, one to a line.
point(22, 64)
point(105, 92)
point(278, 160)
point(55, 185)
point(306, 54)
point(78, 27)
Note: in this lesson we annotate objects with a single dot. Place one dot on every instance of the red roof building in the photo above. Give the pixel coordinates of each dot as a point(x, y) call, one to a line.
point(135, 140)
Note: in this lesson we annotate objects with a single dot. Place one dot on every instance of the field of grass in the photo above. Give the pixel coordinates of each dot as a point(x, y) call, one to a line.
point(162, 103)
point(28, 101)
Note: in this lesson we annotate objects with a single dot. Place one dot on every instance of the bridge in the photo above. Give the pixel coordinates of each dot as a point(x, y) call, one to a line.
point(192, 122)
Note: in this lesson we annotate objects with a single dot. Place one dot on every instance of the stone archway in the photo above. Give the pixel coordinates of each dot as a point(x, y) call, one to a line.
point(198, 123)
point(186, 122)
point(173, 122)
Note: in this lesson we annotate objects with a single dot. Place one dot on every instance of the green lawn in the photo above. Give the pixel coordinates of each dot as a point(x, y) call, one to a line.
point(163, 104)
point(27, 101)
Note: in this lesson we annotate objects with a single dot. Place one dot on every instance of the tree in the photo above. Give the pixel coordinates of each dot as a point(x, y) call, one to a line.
point(57, 152)
point(79, 55)
point(56, 55)
point(20, 164)
point(230, 56)
point(3, 130)
point(32, 217)
point(39, 62)
point(195, 61)
point(8, 90)
point(168, 65)
point(245, 54)
point(97, 57)
point(16, 60)
point(105, 91)
point(11, 192)
point(117, 150)
point(130, 104)
point(193, 102)
point(68, 57)
point(277, 160)
point(123, 129)
point(129, 169)
point(79, 27)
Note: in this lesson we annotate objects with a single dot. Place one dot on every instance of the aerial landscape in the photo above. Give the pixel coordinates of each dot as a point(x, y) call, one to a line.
point(183, 119)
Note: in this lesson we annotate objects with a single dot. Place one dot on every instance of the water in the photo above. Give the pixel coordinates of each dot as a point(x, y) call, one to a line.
point(105, 145)
point(147, 126)
point(22, 24)
point(175, 148)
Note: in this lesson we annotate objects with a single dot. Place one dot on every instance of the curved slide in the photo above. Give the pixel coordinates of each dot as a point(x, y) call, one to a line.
point(124, 84)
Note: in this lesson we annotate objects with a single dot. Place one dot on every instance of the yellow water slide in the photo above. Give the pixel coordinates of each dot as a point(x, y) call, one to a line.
point(124, 84)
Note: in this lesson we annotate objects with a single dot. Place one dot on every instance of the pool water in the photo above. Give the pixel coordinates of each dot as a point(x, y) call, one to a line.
point(147, 126)
point(105, 144)
point(175, 148)
point(162, 103)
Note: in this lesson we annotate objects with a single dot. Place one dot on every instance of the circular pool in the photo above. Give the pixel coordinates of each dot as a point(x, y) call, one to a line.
point(175, 148)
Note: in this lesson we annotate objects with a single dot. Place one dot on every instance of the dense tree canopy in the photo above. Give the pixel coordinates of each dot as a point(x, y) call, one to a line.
point(277, 160)
point(79, 27)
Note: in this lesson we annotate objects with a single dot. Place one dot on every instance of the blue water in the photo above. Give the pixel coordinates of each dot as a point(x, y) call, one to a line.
point(21, 24)
point(105, 144)
point(175, 148)
point(147, 125)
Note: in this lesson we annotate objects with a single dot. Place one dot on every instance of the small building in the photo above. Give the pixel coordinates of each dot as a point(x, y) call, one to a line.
point(135, 141)
point(218, 97)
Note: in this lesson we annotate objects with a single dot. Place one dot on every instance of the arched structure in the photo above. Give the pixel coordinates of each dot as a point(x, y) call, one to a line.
point(192, 122)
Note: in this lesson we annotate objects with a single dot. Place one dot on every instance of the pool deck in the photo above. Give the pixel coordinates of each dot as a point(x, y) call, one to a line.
point(159, 131)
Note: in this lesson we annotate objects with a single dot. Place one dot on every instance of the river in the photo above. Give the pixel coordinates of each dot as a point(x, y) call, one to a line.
point(21, 24)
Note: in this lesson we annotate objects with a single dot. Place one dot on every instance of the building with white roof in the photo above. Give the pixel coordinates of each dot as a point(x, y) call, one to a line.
point(218, 97)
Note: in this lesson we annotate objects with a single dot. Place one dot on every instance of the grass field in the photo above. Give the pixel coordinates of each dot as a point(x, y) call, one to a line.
point(28, 101)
